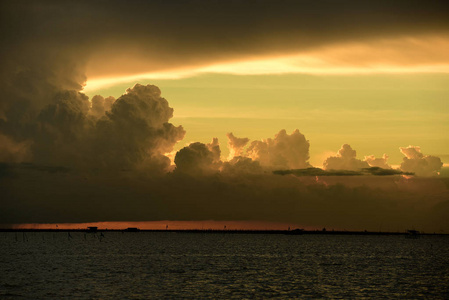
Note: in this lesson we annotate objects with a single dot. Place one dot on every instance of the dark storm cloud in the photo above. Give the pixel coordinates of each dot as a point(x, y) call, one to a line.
point(60, 129)
point(194, 159)
point(167, 34)
point(198, 159)
point(136, 131)
point(132, 132)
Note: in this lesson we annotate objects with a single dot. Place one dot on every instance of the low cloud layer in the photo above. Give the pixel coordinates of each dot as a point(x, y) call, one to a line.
point(377, 171)
point(340, 202)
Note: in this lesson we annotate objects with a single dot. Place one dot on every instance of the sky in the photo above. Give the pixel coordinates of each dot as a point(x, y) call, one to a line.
point(313, 113)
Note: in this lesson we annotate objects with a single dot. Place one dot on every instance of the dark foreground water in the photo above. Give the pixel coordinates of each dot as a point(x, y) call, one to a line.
point(196, 265)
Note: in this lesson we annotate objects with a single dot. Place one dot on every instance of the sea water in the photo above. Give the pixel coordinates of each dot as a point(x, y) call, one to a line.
point(142, 265)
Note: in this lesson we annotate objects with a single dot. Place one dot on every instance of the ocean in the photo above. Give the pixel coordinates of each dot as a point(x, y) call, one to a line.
point(152, 265)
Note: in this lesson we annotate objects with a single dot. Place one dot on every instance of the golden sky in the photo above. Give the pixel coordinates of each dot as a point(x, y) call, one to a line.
point(392, 89)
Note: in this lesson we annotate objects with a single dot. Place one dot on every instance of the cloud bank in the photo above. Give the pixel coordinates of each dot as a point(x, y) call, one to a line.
point(340, 202)
point(106, 160)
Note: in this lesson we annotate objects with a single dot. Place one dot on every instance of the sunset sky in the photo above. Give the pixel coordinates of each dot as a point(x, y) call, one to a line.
point(182, 110)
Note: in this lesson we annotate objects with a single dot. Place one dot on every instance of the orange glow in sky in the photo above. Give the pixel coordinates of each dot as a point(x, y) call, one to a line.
point(403, 55)
point(162, 225)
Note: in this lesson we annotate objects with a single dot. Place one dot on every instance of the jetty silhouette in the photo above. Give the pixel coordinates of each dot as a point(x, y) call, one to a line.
point(299, 231)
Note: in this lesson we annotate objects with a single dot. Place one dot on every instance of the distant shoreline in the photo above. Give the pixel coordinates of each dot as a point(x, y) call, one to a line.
point(230, 231)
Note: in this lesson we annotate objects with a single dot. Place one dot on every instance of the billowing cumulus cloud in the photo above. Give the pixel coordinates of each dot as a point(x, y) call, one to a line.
point(136, 130)
point(198, 159)
point(236, 145)
point(132, 132)
point(195, 159)
point(418, 163)
point(345, 160)
point(378, 162)
point(100, 105)
point(61, 129)
point(285, 151)
point(241, 165)
point(214, 147)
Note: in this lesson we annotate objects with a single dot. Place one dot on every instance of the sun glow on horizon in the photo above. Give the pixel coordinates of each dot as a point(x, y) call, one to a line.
point(165, 224)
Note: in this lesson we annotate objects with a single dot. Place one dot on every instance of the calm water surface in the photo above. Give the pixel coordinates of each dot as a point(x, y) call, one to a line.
point(196, 265)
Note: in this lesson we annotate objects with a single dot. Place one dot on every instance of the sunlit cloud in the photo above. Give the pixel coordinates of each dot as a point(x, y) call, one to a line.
point(394, 56)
